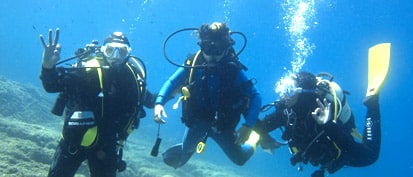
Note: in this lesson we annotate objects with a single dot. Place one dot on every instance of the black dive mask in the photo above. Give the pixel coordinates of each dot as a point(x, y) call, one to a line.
point(213, 48)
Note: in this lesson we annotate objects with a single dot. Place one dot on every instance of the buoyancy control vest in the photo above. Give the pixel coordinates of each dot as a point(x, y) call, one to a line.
point(230, 103)
point(83, 118)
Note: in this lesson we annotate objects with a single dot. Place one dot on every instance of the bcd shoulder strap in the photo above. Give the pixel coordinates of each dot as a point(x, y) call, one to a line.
point(139, 72)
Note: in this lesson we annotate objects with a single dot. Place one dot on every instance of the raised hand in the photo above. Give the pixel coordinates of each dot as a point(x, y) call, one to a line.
point(322, 113)
point(51, 52)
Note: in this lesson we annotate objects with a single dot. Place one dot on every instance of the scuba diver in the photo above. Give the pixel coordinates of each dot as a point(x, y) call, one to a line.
point(215, 92)
point(319, 126)
point(102, 96)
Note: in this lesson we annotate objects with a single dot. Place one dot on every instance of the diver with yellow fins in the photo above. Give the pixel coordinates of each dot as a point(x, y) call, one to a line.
point(318, 124)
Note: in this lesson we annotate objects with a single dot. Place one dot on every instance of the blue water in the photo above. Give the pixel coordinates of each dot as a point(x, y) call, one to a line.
point(337, 36)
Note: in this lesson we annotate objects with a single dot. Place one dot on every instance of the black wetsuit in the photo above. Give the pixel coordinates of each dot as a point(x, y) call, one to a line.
point(330, 146)
point(113, 96)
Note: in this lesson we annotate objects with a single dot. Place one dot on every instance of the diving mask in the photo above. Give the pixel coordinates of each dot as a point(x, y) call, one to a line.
point(213, 51)
point(116, 52)
point(288, 90)
point(291, 92)
point(213, 48)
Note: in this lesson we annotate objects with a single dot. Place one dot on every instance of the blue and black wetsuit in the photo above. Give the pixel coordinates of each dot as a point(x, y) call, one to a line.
point(219, 95)
point(109, 99)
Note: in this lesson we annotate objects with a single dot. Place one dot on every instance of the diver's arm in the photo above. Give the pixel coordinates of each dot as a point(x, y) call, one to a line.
point(255, 100)
point(51, 53)
point(253, 109)
point(149, 99)
point(264, 127)
point(270, 122)
point(168, 91)
point(171, 87)
point(51, 79)
point(51, 49)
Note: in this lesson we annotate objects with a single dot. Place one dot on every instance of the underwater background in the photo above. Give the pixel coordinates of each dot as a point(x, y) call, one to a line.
point(283, 35)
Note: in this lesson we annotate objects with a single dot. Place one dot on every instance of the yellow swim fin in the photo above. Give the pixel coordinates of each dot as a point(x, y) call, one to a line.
point(379, 60)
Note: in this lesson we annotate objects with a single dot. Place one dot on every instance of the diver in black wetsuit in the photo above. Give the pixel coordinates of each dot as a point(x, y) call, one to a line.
point(319, 125)
point(102, 97)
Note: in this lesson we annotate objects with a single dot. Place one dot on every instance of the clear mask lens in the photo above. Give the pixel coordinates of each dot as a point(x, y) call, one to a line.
point(116, 51)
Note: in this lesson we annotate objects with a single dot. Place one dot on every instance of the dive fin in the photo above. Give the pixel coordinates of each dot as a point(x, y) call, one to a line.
point(269, 144)
point(379, 60)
